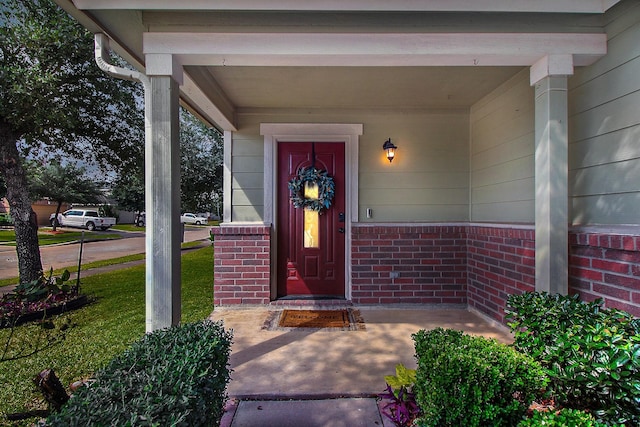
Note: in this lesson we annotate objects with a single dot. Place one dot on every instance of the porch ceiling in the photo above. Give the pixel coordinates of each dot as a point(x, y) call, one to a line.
point(250, 88)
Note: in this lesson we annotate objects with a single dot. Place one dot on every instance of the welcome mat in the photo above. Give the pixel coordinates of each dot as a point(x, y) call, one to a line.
point(347, 319)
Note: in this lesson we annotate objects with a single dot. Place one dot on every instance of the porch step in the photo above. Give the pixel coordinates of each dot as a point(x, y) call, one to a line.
point(310, 303)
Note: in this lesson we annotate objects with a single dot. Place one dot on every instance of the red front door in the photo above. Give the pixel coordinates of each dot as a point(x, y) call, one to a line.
point(311, 246)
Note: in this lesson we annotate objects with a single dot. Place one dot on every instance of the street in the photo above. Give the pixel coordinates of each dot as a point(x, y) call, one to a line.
point(66, 255)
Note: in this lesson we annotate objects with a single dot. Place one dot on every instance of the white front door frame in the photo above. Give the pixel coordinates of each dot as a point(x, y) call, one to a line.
point(349, 134)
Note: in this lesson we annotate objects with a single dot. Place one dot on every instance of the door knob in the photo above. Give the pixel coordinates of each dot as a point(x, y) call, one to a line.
point(341, 230)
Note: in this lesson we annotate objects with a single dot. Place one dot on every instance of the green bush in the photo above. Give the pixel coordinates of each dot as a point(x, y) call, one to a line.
point(563, 418)
point(5, 219)
point(472, 381)
point(172, 377)
point(592, 354)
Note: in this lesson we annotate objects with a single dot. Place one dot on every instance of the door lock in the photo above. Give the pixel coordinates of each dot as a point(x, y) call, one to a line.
point(341, 217)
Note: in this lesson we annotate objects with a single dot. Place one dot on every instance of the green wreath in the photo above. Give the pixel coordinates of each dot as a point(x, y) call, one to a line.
point(326, 189)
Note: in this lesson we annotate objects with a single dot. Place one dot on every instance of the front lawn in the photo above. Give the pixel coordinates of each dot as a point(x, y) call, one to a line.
point(47, 237)
point(98, 332)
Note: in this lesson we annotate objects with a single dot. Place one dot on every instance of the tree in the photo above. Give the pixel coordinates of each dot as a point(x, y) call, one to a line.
point(201, 164)
point(3, 188)
point(55, 101)
point(200, 167)
point(68, 183)
point(128, 191)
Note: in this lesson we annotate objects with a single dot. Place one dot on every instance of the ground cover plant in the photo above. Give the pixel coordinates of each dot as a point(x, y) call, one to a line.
point(463, 380)
point(399, 399)
point(591, 354)
point(171, 377)
point(93, 335)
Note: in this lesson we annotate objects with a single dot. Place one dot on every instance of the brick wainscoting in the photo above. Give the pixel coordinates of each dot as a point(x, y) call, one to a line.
point(477, 265)
point(501, 262)
point(606, 266)
point(430, 260)
point(241, 266)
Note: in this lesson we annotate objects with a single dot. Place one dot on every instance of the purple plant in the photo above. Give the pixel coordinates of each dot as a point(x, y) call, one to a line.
point(401, 407)
point(35, 296)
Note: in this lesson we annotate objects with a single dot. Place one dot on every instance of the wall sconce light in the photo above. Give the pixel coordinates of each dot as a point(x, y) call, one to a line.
point(390, 149)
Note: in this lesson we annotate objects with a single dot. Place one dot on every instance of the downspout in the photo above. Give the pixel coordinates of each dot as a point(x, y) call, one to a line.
point(102, 54)
point(101, 44)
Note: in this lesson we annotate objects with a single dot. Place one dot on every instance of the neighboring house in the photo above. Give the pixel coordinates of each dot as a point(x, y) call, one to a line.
point(42, 209)
point(516, 125)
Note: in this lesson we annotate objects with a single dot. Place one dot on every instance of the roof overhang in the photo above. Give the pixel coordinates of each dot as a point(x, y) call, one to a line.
point(538, 6)
point(235, 52)
point(375, 50)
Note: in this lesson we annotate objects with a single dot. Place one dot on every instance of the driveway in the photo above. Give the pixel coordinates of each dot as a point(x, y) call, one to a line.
point(66, 255)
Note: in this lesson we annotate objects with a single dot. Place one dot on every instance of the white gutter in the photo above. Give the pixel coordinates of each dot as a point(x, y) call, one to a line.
point(101, 43)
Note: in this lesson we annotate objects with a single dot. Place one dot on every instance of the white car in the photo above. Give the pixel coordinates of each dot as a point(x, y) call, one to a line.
point(189, 218)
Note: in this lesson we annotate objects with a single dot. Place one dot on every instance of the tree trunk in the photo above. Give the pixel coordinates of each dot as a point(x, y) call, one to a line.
point(52, 389)
point(55, 223)
point(24, 218)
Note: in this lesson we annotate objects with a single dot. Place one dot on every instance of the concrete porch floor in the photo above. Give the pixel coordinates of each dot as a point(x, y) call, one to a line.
point(311, 364)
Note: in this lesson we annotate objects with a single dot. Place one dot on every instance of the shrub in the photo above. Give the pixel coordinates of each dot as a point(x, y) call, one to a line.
point(592, 354)
point(472, 381)
point(172, 377)
point(563, 418)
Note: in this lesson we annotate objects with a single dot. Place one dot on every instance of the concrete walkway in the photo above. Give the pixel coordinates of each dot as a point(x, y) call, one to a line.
point(326, 378)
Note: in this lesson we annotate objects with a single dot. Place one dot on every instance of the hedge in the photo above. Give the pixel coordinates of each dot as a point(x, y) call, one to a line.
point(171, 377)
point(472, 381)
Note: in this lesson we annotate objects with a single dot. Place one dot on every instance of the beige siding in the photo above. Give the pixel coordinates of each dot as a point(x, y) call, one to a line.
point(604, 128)
point(247, 183)
point(501, 160)
point(428, 180)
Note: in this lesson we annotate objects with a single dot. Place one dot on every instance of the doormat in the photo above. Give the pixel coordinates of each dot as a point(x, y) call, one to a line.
point(347, 319)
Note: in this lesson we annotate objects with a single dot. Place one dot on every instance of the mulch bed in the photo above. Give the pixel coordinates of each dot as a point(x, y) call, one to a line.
point(69, 305)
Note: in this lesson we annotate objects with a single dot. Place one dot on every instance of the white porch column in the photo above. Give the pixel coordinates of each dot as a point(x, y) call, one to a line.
point(551, 173)
point(162, 199)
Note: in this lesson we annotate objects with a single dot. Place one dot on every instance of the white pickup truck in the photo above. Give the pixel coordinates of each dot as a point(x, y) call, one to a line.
point(83, 218)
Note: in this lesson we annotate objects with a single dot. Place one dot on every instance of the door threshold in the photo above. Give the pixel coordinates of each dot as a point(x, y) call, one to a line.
point(315, 301)
point(311, 297)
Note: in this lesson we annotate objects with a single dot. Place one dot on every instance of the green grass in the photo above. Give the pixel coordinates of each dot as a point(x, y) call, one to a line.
point(8, 237)
point(98, 264)
point(99, 331)
point(128, 227)
point(133, 227)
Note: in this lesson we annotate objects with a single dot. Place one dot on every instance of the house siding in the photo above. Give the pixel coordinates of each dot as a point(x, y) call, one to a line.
point(247, 187)
point(604, 128)
point(429, 179)
point(501, 153)
point(474, 170)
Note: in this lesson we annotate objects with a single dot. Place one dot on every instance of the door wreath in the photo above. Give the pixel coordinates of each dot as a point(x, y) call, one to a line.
point(311, 175)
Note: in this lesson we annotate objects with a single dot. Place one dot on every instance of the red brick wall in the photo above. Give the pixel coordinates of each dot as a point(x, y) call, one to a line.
point(606, 266)
point(469, 264)
point(241, 265)
point(501, 262)
point(430, 260)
